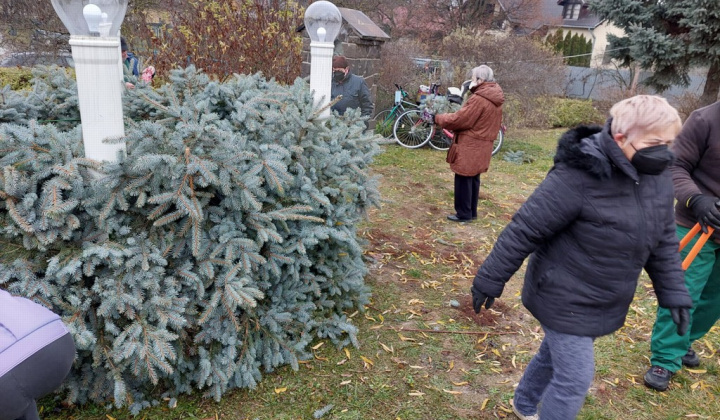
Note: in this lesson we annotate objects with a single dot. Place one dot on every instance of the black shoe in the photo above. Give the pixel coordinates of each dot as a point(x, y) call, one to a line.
point(657, 378)
point(691, 359)
point(454, 218)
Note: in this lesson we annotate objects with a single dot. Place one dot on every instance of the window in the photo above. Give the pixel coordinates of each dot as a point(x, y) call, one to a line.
point(572, 11)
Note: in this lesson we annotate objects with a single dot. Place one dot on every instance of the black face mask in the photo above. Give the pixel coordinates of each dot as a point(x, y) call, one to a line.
point(338, 76)
point(652, 160)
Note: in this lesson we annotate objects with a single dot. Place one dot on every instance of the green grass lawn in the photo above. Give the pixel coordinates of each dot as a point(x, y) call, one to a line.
point(422, 358)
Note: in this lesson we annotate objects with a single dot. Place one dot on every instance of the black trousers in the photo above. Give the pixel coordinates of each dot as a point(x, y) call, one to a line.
point(35, 377)
point(467, 189)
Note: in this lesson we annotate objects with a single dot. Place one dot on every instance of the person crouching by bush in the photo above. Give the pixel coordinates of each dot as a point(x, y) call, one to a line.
point(603, 213)
point(476, 125)
point(36, 353)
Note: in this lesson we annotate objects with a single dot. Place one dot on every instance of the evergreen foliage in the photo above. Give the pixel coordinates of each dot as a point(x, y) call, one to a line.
point(668, 38)
point(567, 45)
point(571, 45)
point(217, 249)
point(555, 40)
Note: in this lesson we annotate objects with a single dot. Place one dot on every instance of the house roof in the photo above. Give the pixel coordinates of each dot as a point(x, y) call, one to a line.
point(550, 13)
point(362, 24)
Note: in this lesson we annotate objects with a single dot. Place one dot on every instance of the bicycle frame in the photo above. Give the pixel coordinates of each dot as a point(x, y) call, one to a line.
point(401, 105)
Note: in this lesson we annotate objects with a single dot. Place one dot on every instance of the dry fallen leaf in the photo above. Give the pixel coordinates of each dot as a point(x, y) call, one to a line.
point(452, 392)
point(461, 383)
point(280, 390)
point(484, 404)
point(367, 362)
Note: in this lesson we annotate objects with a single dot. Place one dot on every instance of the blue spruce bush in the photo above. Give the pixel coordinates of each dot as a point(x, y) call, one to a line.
point(217, 249)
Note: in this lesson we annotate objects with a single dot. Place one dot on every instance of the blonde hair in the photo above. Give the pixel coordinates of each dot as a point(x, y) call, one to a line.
point(642, 114)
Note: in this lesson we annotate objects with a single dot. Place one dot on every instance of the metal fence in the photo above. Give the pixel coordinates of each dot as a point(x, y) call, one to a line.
point(599, 84)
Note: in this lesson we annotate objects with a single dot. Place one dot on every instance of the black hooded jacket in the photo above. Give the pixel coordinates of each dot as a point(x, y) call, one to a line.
point(590, 228)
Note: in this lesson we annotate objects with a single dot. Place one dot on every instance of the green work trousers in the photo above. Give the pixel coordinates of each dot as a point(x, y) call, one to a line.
point(702, 280)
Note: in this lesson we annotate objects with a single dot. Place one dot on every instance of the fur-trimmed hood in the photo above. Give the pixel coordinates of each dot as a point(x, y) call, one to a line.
point(590, 228)
point(592, 149)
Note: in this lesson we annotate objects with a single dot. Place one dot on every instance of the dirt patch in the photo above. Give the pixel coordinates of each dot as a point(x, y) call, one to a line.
point(485, 317)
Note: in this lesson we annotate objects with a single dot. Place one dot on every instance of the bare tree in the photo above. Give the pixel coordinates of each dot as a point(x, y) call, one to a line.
point(35, 26)
point(223, 37)
point(31, 26)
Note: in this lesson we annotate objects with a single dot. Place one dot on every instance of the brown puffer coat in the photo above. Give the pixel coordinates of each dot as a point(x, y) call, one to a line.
point(476, 126)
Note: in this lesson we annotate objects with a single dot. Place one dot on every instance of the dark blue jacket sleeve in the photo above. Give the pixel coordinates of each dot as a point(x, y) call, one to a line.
point(555, 204)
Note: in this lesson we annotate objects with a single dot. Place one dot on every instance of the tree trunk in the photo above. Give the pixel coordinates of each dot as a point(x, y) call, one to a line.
point(712, 85)
point(634, 83)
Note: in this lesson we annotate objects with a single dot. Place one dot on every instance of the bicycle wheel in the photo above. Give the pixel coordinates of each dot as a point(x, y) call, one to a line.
point(497, 144)
point(440, 140)
point(411, 131)
point(384, 121)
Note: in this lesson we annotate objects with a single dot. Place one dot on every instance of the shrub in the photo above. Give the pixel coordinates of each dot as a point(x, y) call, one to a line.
point(548, 112)
point(16, 78)
point(223, 37)
point(398, 67)
point(217, 249)
point(572, 112)
point(521, 112)
point(523, 67)
point(686, 103)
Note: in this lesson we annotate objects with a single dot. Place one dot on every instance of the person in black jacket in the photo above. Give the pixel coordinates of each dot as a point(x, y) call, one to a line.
point(603, 213)
point(355, 92)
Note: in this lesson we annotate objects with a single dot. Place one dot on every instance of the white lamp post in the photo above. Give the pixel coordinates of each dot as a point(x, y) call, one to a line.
point(99, 79)
point(322, 23)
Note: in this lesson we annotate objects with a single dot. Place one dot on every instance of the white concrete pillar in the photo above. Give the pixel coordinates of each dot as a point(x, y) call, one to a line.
point(100, 89)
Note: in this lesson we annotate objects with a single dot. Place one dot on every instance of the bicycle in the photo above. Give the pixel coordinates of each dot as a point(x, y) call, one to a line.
point(385, 119)
point(413, 130)
point(410, 130)
point(441, 139)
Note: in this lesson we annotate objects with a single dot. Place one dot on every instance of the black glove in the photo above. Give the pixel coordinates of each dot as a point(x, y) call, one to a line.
point(479, 298)
point(681, 318)
point(705, 208)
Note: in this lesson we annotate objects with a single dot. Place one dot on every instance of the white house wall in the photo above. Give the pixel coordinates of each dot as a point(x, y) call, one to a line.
point(599, 37)
point(601, 43)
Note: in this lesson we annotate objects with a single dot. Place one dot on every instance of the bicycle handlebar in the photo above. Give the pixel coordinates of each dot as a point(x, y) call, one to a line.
point(402, 91)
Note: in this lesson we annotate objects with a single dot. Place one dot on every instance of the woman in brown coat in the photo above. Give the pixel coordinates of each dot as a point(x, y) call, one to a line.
point(476, 126)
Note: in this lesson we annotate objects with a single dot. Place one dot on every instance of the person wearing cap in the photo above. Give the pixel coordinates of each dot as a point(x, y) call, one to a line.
point(130, 62)
point(354, 90)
